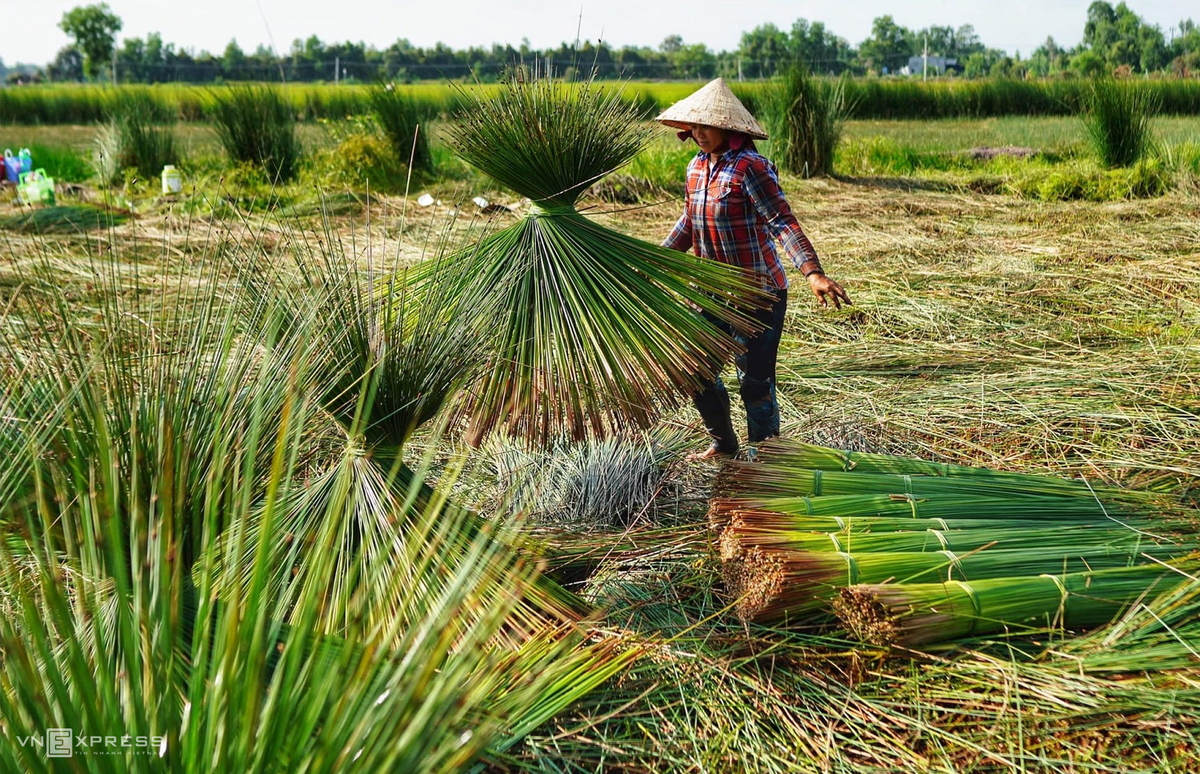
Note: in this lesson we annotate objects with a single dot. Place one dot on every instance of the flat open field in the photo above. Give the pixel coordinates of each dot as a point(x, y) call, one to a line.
point(1050, 337)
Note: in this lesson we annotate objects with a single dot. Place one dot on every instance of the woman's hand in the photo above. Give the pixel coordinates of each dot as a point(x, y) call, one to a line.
point(825, 289)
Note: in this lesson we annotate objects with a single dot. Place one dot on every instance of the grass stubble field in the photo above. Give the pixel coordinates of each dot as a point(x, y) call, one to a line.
point(987, 329)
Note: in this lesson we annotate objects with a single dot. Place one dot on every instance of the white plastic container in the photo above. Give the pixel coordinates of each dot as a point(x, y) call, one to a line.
point(172, 180)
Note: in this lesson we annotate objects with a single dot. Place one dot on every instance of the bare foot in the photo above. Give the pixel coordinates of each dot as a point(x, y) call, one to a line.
point(712, 452)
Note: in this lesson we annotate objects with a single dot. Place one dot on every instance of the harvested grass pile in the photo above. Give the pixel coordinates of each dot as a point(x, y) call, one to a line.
point(910, 552)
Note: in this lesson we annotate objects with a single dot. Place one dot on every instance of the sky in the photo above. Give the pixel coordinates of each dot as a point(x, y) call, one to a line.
point(30, 31)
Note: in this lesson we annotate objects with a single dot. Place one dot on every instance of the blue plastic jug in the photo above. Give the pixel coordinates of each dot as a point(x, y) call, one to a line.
point(14, 166)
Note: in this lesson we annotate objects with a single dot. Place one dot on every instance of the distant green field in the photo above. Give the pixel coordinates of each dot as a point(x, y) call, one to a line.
point(1047, 133)
point(871, 97)
point(1042, 133)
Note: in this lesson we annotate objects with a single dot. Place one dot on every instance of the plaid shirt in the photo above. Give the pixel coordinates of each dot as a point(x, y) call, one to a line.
point(732, 212)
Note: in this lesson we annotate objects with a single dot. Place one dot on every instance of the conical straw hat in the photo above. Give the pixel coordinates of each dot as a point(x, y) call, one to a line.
point(713, 105)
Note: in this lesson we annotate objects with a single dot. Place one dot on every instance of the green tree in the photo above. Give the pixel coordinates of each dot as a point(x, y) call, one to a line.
point(671, 44)
point(1046, 59)
point(695, 61)
point(764, 50)
point(233, 62)
point(977, 65)
point(1089, 64)
point(1120, 38)
point(889, 46)
point(818, 48)
point(966, 42)
point(95, 29)
point(67, 65)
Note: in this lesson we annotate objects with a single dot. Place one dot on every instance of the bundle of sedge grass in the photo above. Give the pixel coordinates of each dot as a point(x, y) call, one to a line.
point(791, 538)
point(588, 331)
point(921, 613)
point(790, 586)
point(833, 512)
point(772, 478)
point(788, 468)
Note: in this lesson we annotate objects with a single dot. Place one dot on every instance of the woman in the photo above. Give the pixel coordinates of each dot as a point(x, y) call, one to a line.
point(735, 210)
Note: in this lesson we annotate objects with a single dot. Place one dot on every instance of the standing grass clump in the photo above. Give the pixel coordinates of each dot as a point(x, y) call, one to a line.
point(1118, 117)
point(62, 162)
point(805, 118)
point(358, 154)
point(404, 121)
point(257, 125)
point(140, 137)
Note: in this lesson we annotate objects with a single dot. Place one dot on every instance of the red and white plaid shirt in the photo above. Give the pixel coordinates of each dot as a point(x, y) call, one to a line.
point(734, 208)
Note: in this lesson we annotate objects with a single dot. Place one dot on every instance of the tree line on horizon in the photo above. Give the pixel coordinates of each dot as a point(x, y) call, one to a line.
point(1115, 40)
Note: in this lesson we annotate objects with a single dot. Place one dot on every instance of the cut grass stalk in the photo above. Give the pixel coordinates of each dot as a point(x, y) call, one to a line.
point(1157, 634)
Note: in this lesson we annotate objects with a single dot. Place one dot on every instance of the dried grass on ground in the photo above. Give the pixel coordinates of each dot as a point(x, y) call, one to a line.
point(986, 329)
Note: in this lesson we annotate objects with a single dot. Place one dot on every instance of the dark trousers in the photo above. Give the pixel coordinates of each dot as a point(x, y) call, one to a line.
point(756, 375)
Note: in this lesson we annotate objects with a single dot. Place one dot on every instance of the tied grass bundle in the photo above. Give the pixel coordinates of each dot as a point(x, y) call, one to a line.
point(758, 529)
point(835, 512)
point(809, 521)
point(588, 330)
point(921, 613)
point(779, 586)
point(777, 575)
point(788, 468)
point(788, 481)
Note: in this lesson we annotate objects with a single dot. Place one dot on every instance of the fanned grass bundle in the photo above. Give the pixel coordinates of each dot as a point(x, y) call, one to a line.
point(921, 613)
point(155, 458)
point(390, 357)
point(385, 359)
point(807, 522)
point(588, 330)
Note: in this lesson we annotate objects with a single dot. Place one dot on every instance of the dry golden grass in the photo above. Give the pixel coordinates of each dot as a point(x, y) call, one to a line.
point(986, 329)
